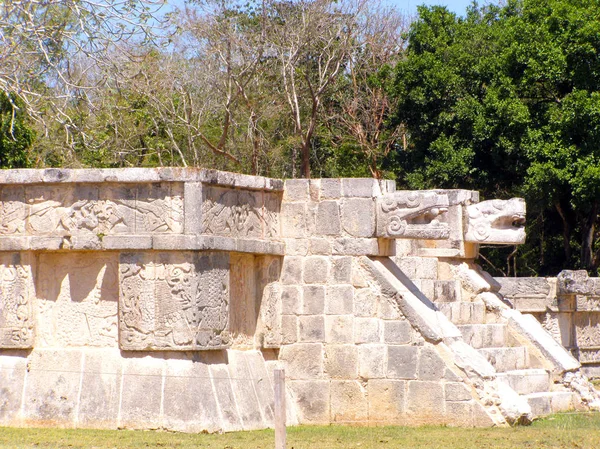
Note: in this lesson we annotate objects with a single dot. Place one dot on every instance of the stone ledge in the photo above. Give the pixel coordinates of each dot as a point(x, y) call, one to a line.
point(173, 242)
point(138, 175)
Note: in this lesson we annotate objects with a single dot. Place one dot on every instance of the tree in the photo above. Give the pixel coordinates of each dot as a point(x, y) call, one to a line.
point(505, 101)
point(15, 135)
point(54, 52)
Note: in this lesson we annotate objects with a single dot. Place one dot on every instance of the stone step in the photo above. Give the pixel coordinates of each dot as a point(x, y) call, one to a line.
point(526, 381)
point(507, 359)
point(463, 312)
point(484, 335)
point(543, 404)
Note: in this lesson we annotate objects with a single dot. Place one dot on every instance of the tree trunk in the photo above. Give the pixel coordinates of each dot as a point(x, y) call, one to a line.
point(566, 231)
point(587, 238)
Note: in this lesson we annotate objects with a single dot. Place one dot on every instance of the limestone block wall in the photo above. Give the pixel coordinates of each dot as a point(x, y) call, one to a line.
point(132, 298)
point(165, 298)
point(568, 307)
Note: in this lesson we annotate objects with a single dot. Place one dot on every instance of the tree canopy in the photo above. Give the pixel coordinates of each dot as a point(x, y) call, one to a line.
point(506, 101)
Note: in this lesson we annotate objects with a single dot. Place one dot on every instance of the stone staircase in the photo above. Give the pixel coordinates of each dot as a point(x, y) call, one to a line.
point(514, 364)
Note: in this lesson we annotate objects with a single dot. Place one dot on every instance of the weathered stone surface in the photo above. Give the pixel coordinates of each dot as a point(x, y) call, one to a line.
point(339, 329)
point(341, 361)
point(328, 218)
point(397, 332)
point(303, 360)
point(366, 330)
point(371, 361)
point(365, 303)
point(355, 247)
point(293, 220)
point(311, 328)
point(77, 299)
point(386, 400)
point(342, 270)
point(425, 400)
point(296, 190)
point(418, 267)
point(16, 292)
point(524, 287)
point(577, 282)
point(174, 301)
point(228, 408)
point(316, 270)
point(348, 402)
point(313, 299)
point(587, 329)
point(360, 187)
point(496, 222)
point(339, 299)
point(243, 385)
point(402, 362)
point(292, 270)
point(331, 188)
point(13, 368)
point(141, 393)
point(291, 299)
point(358, 217)
point(52, 388)
point(100, 388)
point(320, 247)
point(312, 399)
point(457, 391)
point(431, 366)
point(412, 214)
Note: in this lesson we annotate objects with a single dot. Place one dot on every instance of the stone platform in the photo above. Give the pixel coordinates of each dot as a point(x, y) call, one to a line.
point(164, 298)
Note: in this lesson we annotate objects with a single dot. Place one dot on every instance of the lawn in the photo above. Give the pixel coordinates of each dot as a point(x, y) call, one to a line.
point(580, 431)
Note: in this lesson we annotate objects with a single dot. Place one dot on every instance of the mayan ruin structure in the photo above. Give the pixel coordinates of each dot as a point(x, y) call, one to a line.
point(165, 298)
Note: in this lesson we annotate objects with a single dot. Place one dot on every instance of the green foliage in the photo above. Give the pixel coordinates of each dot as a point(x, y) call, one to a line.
point(16, 136)
point(506, 101)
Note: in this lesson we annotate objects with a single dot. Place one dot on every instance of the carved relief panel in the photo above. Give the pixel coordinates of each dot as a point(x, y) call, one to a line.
point(16, 314)
point(412, 214)
point(101, 209)
point(77, 297)
point(240, 213)
point(174, 301)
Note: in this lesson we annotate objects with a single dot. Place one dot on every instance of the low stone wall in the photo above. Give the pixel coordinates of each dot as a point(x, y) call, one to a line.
point(164, 298)
point(568, 307)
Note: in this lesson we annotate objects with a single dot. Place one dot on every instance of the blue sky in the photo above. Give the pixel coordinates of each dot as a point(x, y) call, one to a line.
point(410, 6)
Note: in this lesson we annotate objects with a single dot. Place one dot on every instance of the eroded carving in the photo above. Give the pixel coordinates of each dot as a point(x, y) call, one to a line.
point(412, 215)
point(176, 301)
point(496, 222)
point(232, 212)
point(77, 299)
point(16, 319)
point(59, 210)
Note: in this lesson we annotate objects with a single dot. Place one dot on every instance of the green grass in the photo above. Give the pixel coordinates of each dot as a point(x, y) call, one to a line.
point(581, 431)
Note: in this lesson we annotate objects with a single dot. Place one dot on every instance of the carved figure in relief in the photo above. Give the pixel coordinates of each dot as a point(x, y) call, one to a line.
point(16, 324)
point(496, 221)
point(231, 212)
point(174, 301)
point(412, 214)
point(12, 217)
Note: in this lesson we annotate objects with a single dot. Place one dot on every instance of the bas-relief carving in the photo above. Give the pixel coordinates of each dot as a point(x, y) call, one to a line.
point(496, 222)
point(91, 208)
point(77, 299)
point(243, 303)
point(240, 213)
point(174, 301)
point(412, 215)
point(270, 328)
point(16, 317)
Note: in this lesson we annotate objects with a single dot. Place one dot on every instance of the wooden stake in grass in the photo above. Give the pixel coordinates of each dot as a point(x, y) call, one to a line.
point(279, 387)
